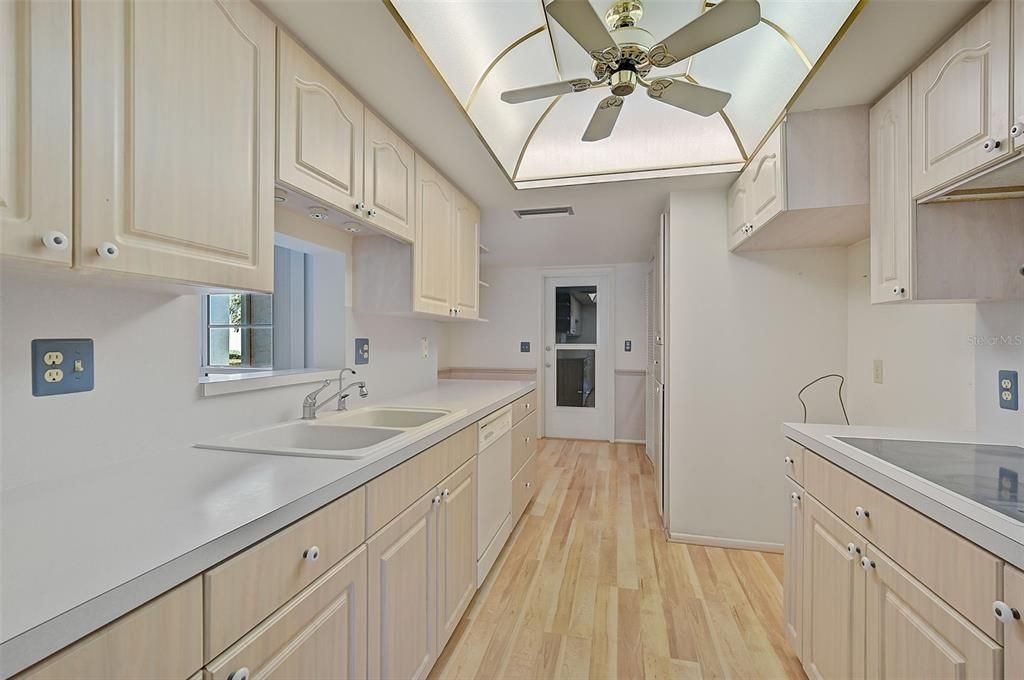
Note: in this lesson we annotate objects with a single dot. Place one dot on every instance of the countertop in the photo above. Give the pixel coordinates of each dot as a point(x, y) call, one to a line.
point(77, 553)
point(995, 531)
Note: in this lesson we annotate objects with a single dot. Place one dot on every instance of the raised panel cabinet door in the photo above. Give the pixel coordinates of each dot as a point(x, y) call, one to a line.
point(35, 130)
point(912, 633)
point(794, 562)
point(961, 101)
point(320, 130)
point(1013, 629)
point(768, 180)
point(389, 185)
point(833, 599)
point(1017, 126)
point(739, 211)
point(320, 634)
point(176, 112)
point(892, 208)
point(403, 593)
point(433, 242)
point(466, 258)
point(456, 550)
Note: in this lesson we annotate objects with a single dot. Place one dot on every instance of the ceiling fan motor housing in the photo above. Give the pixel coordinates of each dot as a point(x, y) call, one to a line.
point(623, 82)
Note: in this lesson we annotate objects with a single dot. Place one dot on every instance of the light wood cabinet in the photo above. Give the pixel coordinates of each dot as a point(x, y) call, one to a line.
point(833, 596)
point(768, 180)
point(524, 406)
point(176, 118)
point(318, 635)
point(456, 552)
point(793, 557)
point(912, 633)
point(1017, 126)
point(466, 259)
point(434, 242)
point(1013, 630)
point(524, 485)
point(738, 198)
point(320, 129)
point(524, 442)
point(35, 130)
point(961, 102)
point(892, 207)
point(389, 184)
point(161, 639)
point(403, 593)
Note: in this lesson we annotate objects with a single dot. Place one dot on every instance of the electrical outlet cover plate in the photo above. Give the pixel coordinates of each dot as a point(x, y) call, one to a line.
point(629, 345)
point(524, 346)
point(1009, 390)
point(362, 351)
point(62, 367)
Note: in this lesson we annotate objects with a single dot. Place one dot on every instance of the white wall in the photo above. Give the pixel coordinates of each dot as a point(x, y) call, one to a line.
point(926, 352)
point(999, 345)
point(746, 332)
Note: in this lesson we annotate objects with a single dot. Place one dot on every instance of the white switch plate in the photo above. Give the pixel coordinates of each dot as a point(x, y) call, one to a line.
point(877, 375)
point(424, 347)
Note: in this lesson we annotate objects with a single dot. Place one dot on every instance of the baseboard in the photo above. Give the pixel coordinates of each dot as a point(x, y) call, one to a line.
point(630, 441)
point(718, 542)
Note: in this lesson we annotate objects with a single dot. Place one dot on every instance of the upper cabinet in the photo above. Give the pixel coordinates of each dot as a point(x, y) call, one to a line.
point(797, 192)
point(388, 179)
point(432, 256)
point(1017, 128)
point(35, 130)
point(175, 111)
point(961, 102)
point(466, 259)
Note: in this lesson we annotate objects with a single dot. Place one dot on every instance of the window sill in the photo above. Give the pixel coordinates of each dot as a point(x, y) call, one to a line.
point(229, 383)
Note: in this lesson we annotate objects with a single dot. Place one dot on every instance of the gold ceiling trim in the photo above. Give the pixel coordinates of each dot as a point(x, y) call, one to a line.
point(725, 119)
point(660, 168)
point(791, 40)
point(501, 55)
point(533, 131)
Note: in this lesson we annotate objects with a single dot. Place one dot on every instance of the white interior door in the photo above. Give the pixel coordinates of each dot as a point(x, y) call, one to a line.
point(577, 357)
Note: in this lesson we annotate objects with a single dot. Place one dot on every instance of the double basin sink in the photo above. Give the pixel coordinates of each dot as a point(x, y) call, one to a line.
point(344, 434)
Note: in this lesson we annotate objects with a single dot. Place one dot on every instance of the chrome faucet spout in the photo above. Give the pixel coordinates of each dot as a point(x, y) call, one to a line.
point(311, 404)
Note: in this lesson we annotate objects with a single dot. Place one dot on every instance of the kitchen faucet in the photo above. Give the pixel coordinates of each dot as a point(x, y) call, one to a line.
point(310, 406)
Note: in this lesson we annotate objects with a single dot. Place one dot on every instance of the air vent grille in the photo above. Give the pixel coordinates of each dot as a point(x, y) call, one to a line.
point(531, 213)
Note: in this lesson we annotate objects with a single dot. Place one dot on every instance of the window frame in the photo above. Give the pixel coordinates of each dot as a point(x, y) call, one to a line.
point(204, 331)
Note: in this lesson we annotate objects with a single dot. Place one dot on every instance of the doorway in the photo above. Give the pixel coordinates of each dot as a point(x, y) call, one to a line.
point(577, 356)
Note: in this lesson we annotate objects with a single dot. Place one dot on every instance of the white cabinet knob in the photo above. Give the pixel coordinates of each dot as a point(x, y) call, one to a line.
point(1017, 129)
point(529, 484)
point(788, 460)
point(108, 250)
point(861, 513)
point(1005, 612)
point(991, 145)
point(372, 212)
point(360, 205)
point(852, 548)
point(547, 364)
point(899, 291)
point(241, 674)
point(446, 493)
point(55, 240)
point(867, 564)
point(437, 500)
point(311, 553)
point(795, 499)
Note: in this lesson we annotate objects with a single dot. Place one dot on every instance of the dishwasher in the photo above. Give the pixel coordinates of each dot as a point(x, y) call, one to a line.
point(494, 488)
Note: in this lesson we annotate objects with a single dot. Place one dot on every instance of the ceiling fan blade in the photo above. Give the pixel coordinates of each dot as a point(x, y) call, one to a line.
point(529, 94)
point(723, 21)
point(603, 121)
point(704, 101)
point(580, 20)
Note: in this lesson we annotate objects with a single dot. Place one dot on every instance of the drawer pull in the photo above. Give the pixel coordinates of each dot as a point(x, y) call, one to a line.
point(241, 674)
point(310, 554)
point(795, 497)
point(788, 460)
point(853, 548)
point(867, 563)
point(529, 484)
point(55, 240)
point(1005, 612)
point(861, 513)
point(446, 493)
point(437, 500)
point(991, 145)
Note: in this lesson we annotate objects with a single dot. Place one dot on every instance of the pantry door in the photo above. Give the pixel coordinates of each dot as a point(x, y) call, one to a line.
point(577, 356)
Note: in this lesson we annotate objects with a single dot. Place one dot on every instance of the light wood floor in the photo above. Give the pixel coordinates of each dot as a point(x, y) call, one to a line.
point(588, 587)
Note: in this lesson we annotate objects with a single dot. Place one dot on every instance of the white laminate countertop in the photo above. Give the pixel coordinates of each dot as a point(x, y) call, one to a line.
point(76, 553)
point(999, 534)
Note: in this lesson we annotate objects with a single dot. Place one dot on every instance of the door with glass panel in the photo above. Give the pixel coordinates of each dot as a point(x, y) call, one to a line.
point(576, 357)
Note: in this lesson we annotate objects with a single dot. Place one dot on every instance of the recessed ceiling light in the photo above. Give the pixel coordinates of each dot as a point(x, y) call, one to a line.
point(280, 195)
point(318, 213)
point(353, 227)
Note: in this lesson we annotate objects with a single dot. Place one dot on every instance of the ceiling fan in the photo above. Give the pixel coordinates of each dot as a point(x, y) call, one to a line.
point(623, 56)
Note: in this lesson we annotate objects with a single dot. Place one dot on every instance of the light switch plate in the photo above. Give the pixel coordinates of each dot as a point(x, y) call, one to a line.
point(877, 374)
point(362, 351)
point(1009, 390)
point(62, 367)
point(629, 345)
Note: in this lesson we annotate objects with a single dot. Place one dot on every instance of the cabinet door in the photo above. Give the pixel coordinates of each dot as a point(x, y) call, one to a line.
point(833, 606)
point(403, 593)
point(35, 130)
point(466, 258)
point(1018, 76)
point(320, 131)
point(794, 562)
point(176, 150)
point(318, 635)
point(739, 211)
point(389, 184)
point(912, 633)
point(892, 208)
point(1013, 631)
point(768, 180)
point(456, 549)
point(961, 101)
point(432, 246)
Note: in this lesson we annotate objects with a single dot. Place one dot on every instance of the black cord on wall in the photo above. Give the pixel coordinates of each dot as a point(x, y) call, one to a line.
point(842, 380)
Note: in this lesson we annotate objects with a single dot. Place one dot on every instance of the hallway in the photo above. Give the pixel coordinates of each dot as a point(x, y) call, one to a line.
point(589, 587)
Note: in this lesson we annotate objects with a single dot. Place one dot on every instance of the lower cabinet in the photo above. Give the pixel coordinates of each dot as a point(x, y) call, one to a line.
point(793, 557)
point(319, 635)
point(456, 552)
point(1013, 625)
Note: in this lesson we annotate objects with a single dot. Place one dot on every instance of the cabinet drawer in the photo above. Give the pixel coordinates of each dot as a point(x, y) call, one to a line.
point(524, 485)
point(524, 442)
point(958, 571)
point(320, 633)
point(524, 406)
point(248, 587)
point(793, 463)
point(400, 487)
point(160, 639)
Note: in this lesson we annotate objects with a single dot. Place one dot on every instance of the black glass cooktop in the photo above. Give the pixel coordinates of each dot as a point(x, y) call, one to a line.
point(991, 475)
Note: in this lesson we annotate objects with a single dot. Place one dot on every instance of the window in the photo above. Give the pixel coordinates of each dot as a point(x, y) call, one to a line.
point(239, 331)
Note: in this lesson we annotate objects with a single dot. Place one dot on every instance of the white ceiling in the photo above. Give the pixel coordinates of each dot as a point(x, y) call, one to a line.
point(363, 44)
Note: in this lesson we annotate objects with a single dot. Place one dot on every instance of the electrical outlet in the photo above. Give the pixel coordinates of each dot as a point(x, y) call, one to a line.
point(61, 367)
point(524, 346)
point(877, 375)
point(362, 351)
point(629, 346)
point(1009, 390)
point(424, 347)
